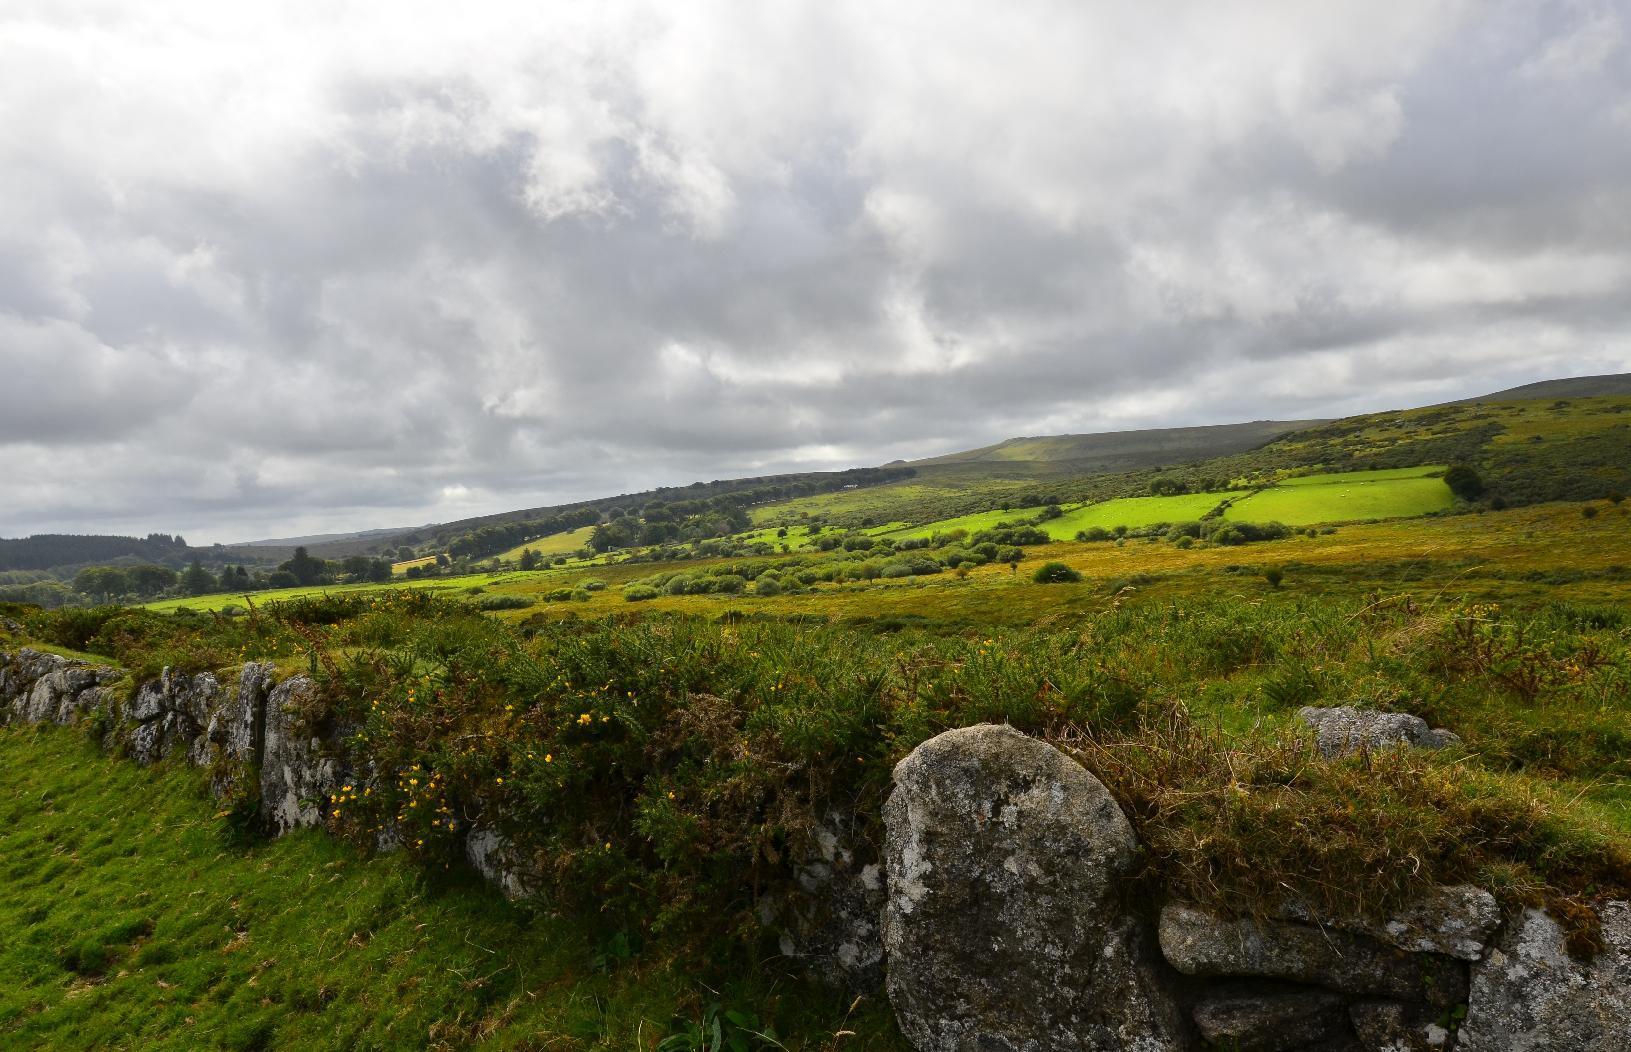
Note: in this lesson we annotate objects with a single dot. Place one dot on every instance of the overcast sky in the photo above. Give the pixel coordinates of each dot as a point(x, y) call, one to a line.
point(280, 268)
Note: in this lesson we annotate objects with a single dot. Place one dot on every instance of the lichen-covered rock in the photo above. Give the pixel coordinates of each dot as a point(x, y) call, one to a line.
point(1344, 729)
point(1529, 995)
point(829, 918)
point(1198, 942)
point(1270, 1022)
point(169, 714)
point(1003, 925)
point(39, 687)
point(298, 774)
point(1393, 1026)
point(233, 735)
point(493, 856)
point(1456, 921)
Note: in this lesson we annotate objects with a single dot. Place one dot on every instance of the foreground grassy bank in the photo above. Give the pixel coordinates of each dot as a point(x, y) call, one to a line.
point(129, 919)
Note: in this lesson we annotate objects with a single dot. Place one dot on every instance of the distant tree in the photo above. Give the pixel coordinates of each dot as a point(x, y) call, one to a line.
point(1167, 487)
point(443, 561)
point(102, 582)
point(148, 580)
point(530, 560)
point(306, 570)
point(197, 580)
point(282, 579)
point(357, 567)
point(1464, 482)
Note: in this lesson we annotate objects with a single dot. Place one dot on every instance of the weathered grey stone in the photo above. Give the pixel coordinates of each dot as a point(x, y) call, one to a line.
point(233, 734)
point(297, 773)
point(1529, 995)
point(493, 856)
point(1456, 921)
point(1393, 1026)
point(1271, 1022)
point(1198, 942)
point(1003, 927)
point(1344, 729)
point(170, 713)
point(829, 918)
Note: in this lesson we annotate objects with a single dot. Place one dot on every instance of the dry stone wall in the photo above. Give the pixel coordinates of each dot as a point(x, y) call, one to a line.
point(1003, 916)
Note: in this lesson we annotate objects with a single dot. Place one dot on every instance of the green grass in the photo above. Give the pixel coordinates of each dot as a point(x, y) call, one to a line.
point(553, 545)
point(1133, 512)
point(1379, 475)
point(129, 921)
point(1345, 498)
point(972, 524)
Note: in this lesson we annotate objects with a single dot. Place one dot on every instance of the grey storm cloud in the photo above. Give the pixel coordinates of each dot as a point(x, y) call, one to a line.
point(312, 266)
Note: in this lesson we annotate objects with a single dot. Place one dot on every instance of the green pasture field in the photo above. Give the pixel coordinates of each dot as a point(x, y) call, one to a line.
point(553, 545)
point(972, 524)
point(798, 537)
point(1345, 498)
point(1378, 475)
point(1133, 512)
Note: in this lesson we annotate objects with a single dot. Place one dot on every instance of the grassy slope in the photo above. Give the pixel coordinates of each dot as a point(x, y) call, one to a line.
point(1527, 443)
point(129, 922)
point(554, 544)
point(1133, 512)
point(1344, 501)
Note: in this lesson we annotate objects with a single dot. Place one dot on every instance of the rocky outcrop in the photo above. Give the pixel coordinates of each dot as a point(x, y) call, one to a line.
point(1344, 729)
point(39, 687)
point(298, 769)
point(1529, 995)
point(234, 736)
point(1004, 925)
point(170, 713)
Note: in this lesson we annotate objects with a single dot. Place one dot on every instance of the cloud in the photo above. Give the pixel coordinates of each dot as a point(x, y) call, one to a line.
point(321, 266)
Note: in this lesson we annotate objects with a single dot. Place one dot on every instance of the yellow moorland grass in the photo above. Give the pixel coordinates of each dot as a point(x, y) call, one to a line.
point(1525, 554)
point(1528, 554)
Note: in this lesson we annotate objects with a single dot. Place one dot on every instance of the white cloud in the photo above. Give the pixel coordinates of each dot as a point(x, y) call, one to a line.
point(322, 265)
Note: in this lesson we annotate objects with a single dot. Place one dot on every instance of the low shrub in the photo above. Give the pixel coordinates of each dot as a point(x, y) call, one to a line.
point(1055, 573)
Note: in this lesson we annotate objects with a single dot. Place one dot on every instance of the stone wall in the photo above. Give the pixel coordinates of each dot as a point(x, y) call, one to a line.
point(1002, 915)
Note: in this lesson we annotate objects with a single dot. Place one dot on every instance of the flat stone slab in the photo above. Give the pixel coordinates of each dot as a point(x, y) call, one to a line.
point(1198, 942)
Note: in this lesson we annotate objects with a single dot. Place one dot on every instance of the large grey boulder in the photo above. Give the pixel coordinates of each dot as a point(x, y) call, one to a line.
point(1453, 920)
point(1344, 729)
point(1003, 927)
point(1529, 995)
point(1202, 943)
point(298, 773)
